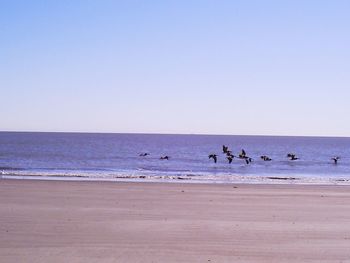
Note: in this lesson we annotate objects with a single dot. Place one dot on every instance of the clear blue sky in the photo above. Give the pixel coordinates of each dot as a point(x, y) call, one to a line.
point(212, 67)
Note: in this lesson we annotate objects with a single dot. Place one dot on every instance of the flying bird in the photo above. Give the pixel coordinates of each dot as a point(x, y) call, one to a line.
point(214, 157)
point(166, 157)
point(242, 154)
point(335, 159)
point(229, 153)
point(248, 160)
point(144, 154)
point(265, 158)
point(292, 156)
point(224, 149)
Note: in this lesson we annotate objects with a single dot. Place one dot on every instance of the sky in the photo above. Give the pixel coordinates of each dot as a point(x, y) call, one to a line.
point(193, 67)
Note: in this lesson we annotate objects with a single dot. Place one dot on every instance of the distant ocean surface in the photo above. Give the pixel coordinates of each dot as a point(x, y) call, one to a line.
point(87, 156)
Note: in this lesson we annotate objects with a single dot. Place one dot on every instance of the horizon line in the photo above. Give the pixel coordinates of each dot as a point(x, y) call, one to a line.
point(160, 133)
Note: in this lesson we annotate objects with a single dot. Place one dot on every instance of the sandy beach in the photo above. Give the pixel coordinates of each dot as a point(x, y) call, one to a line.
point(57, 221)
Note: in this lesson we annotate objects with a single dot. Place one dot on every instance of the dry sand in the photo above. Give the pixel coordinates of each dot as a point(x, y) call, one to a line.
point(56, 221)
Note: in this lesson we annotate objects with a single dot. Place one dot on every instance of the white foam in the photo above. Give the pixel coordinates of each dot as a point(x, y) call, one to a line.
point(192, 178)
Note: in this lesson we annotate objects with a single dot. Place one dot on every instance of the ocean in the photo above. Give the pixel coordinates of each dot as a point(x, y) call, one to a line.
point(116, 157)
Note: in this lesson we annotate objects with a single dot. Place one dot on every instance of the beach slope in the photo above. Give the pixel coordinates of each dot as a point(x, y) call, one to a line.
point(57, 221)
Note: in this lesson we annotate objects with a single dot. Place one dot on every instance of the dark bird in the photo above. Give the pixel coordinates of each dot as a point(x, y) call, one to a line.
point(265, 158)
point(248, 160)
point(242, 154)
point(335, 159)
point(230, 158)
point(229, 153)
point(166, 157)
point(214, 157)
point(292, 156)
point(224, 149)
point(144, 154)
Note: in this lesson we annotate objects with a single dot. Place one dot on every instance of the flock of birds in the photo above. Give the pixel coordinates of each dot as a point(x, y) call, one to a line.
point(229, 156)
point(242, 155)
point(165, 157)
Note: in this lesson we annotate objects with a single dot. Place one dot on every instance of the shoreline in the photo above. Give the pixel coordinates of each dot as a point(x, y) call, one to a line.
point(276, 179)
point(160, 222)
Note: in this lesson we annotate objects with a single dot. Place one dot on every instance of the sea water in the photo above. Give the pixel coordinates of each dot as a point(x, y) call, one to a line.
point(83, 156)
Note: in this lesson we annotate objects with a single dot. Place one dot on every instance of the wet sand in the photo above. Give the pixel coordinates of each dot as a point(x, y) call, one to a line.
point(56, 221)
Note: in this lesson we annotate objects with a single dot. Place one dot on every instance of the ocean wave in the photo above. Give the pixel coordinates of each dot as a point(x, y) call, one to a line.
point(7, 168)
point(171, 177)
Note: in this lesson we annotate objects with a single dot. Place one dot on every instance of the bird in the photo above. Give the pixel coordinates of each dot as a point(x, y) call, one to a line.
point(292, 156)
point(144, 154)
point(224, 149)
point(247, 159)
point(229, 153)
point(242, 154)
point(335, 159)
point(214, 157)
point(265, 158)
point(166, 157)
